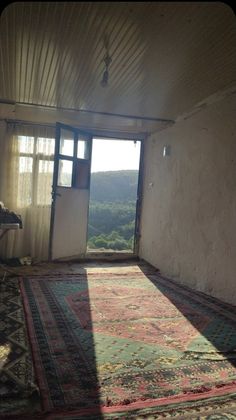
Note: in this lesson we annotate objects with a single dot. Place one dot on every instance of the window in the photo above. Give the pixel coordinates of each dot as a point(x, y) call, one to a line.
point(35, 158)
point(73, 159)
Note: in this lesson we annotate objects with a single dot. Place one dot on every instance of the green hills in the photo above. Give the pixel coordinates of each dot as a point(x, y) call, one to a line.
point(112, 210)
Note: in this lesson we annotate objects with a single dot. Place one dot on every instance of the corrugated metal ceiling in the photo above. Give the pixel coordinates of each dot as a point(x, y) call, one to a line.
point(165, 56)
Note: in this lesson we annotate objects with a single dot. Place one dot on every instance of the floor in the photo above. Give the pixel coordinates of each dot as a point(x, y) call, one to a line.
point(9, 276)
point(33, 402)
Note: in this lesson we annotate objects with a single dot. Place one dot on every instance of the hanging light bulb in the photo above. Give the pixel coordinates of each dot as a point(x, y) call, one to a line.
point(105, 77)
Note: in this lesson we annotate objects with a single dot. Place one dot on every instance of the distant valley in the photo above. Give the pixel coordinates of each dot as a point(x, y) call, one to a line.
point(112, 210)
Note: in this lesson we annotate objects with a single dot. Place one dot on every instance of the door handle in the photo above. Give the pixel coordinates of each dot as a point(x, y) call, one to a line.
point(54, 194)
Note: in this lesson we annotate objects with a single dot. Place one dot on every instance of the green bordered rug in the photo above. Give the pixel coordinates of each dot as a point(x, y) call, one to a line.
point(105, 344)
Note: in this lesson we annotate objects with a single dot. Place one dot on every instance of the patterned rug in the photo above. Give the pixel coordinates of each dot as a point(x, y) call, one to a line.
point(134, 342)
point(18, 390)
point(16, 368)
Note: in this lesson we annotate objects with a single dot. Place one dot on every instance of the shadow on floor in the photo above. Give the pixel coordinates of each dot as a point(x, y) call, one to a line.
point(70, 362)
point(195, 306)
point(64, 349)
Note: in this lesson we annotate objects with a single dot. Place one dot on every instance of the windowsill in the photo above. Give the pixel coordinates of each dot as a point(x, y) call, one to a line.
point(33, 206)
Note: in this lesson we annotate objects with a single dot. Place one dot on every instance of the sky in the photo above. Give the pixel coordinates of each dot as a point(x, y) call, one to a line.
point(114, 155)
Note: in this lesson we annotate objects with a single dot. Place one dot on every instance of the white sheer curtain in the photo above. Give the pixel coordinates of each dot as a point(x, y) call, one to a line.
point(25, 188)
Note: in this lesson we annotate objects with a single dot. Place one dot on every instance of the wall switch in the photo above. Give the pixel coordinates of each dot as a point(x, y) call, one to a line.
point(166, 151)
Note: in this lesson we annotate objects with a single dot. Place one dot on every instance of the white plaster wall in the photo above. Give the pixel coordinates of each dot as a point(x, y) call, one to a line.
point(188, 223)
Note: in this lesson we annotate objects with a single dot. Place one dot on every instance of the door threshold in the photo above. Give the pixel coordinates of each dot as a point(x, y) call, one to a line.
point(110, 256)
point(100, 256)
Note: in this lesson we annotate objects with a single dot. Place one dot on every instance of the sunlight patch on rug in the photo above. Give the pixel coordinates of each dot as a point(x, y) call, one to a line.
point(102, 340)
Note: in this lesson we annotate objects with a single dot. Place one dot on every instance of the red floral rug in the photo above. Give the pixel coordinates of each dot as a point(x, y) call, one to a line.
point(104, 343)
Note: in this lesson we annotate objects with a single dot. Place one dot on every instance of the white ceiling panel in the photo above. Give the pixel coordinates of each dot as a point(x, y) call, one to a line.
point(166, 56)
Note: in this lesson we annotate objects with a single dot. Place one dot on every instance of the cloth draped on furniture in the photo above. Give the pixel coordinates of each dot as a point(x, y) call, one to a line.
point(109, 342)
point(26, 162)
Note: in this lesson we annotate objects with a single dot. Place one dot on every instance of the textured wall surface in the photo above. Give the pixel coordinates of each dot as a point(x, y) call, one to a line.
point(188, 227)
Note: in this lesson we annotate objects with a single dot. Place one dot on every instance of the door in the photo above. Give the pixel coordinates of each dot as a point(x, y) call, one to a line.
point(70, 192)
point(114, 195)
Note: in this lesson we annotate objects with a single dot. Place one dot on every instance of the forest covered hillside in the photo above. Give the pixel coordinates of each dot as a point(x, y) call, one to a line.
point(112, 210)
point(114, 186)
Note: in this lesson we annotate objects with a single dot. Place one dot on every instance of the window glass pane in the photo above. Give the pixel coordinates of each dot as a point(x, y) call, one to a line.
point(26, 144)
point(24, 193)
point(44, 186)
point(46, 167)
point(65, 173)
point(45, 146)
point(67, 143)
point(83, 148)
point(25, 164)
point(82, 151)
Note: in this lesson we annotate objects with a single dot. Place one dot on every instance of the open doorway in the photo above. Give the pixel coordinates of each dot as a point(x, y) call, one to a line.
point(113, 206)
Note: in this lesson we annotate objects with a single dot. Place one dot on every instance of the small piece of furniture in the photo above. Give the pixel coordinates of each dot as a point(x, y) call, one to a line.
point(6, 227)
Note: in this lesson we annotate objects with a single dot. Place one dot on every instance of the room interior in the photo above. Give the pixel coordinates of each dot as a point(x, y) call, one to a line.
point(147, 334)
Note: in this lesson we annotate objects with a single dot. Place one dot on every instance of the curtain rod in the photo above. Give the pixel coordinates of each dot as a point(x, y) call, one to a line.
point(96, 131)
point(108, 114)
point(22, 122)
